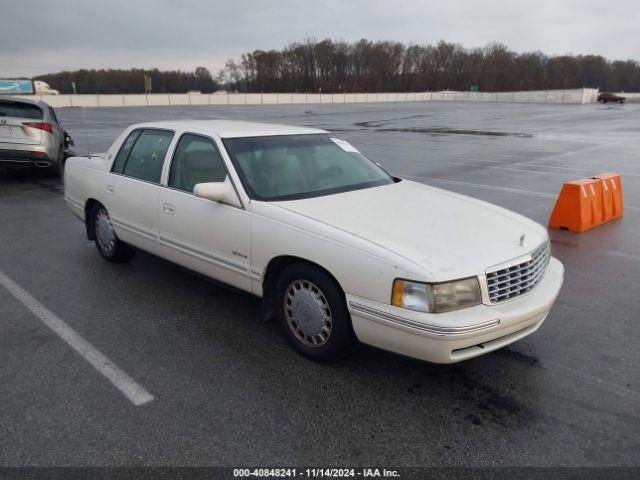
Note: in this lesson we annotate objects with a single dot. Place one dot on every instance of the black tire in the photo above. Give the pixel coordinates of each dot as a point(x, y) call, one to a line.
point(113, 250)
point(340, 340)
point(604, 101)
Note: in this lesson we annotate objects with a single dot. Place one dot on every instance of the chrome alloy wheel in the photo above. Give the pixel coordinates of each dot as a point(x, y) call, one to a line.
point(104, 231)
point(307, 313)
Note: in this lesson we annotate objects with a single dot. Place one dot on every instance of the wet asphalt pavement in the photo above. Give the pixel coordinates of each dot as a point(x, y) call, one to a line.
point(229, 391)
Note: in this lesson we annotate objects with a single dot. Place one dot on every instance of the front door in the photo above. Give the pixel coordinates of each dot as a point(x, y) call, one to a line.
point(209, 237)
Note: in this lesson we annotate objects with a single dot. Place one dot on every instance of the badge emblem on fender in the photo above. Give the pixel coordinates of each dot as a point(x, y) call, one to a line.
point(522, 240)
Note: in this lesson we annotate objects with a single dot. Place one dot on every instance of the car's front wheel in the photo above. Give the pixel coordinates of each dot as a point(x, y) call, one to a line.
point(313, 313)
point(109, 245)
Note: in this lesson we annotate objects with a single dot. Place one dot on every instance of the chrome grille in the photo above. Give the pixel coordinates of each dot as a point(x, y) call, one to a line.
point(519, 278)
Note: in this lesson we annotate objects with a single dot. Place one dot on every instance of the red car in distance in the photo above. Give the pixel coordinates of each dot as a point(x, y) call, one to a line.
point(605, 97)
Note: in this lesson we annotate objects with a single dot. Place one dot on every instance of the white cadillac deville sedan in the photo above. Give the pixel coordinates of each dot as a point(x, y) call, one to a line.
point(339, 250)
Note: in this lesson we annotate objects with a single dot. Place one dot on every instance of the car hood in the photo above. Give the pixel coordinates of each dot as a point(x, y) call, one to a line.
point(448, 235)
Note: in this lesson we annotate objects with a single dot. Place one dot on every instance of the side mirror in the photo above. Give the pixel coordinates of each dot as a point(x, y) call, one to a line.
point(220, 192)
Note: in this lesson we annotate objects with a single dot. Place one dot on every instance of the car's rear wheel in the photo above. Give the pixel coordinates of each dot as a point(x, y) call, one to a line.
point(107, 242)
point(313, 313)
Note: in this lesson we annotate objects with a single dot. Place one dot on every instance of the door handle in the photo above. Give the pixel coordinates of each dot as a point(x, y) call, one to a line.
point(111, 189)
point(168, 209)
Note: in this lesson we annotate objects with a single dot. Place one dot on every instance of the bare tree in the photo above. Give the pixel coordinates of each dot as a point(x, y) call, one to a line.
point(364, 66)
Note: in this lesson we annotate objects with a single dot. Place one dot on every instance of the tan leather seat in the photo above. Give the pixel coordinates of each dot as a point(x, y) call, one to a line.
point(280, 175)
point(200, 166)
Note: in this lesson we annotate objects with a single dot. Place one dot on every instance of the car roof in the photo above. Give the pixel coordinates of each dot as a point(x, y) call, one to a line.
point(232, 128)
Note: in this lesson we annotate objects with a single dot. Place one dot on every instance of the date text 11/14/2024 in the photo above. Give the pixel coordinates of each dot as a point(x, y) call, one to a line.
point(316, 472)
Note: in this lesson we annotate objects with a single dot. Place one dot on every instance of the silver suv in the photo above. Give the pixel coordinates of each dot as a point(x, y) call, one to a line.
point(31, 135)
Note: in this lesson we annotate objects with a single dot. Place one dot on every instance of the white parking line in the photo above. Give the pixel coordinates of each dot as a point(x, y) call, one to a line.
point(494, 187)
point(478, 185)
point(507, 166)
point(123, 382)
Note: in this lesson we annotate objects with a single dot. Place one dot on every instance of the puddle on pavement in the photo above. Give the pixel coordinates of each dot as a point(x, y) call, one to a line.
point(453, 131)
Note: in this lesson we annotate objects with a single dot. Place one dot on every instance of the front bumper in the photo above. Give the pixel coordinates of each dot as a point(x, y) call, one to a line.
point(454, 336)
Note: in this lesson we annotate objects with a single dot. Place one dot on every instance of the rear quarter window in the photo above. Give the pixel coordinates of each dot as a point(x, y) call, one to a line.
point(52, 112)
point(125, 149)
point(20, 110)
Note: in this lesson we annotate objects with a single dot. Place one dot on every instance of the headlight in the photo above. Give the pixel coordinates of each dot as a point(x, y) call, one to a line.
point(436, 297)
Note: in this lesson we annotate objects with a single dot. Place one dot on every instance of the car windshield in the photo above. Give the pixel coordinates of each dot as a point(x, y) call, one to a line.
point(289, 167)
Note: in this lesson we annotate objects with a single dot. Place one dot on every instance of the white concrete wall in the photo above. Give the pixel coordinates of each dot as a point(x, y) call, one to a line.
point(574, 96)
point(110, 100)
point(159, 99)
point(631, 97)
point(135, 100)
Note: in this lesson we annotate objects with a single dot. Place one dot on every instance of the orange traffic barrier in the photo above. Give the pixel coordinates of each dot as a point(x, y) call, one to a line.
point(579, 206)
point(612, 205)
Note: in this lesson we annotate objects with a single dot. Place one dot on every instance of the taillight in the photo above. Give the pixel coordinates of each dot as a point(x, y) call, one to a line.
point(47, 127)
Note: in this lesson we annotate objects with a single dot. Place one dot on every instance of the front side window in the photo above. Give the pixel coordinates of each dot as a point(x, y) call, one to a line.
point(289, 167)
point(196, 160)
point(146, 158)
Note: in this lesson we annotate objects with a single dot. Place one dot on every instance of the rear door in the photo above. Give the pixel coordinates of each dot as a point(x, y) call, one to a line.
point(132, 188)
point(14, 119)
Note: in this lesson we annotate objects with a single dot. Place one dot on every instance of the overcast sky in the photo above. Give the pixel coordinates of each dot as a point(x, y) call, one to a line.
point(42, 36)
